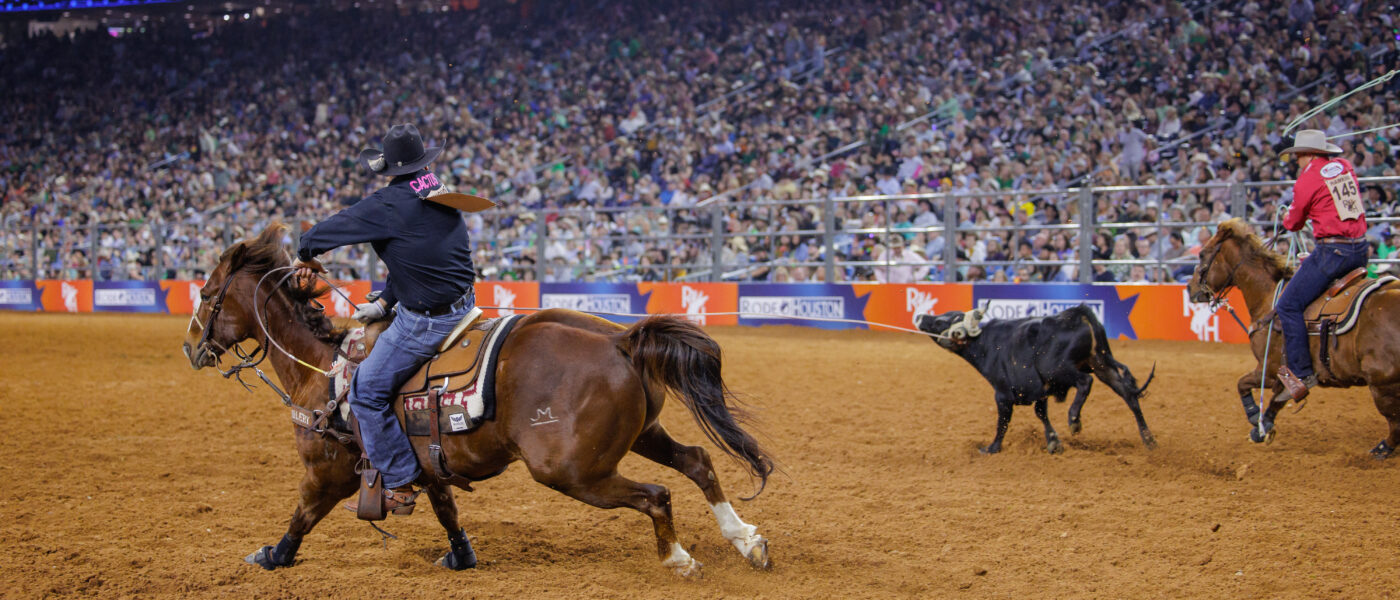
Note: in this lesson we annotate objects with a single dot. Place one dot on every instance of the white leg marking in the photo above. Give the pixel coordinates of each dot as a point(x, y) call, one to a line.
point(681, 562)
point(744, 536)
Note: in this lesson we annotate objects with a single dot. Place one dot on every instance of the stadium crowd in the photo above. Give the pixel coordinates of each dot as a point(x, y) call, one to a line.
point(621, 123)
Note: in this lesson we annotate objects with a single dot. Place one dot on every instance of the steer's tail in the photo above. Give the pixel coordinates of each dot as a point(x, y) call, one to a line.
point(1113, 373)
point(680, 356)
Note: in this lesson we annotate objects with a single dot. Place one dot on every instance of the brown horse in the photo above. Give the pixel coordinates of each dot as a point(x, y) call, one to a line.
point(1367, 355)
point(605, 385)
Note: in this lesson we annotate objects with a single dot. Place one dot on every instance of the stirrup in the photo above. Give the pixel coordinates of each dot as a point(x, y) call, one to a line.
point(397, 501)
point(1293, 387)
point(400, 501)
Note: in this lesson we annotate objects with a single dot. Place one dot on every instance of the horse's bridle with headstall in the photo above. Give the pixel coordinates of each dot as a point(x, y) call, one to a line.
point(247, 359)
point(315, 420)
point(1217, 298)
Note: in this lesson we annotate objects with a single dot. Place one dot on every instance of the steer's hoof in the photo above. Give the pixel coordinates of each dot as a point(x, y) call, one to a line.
point(1075, 427)
point(989, 449)
point(1054, 446)
point(1149, 441)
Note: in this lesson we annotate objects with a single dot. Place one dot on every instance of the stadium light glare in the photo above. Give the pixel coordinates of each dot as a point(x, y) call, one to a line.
point(225, 17)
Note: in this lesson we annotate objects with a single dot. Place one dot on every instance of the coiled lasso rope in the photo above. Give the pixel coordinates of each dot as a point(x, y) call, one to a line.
point(1325, 106)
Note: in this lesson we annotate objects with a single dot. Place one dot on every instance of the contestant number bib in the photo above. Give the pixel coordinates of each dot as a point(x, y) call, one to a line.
point(1346, 196)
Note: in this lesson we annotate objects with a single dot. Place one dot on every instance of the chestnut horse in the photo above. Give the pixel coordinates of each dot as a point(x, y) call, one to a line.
point(603, 383)
point(1367, 355)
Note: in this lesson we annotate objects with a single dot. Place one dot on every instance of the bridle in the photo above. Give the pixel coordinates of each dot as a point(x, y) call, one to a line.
point(247, 360)
point(1218, 297)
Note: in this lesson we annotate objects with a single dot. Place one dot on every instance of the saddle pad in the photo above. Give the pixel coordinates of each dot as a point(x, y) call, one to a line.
point(475, 402)
point(1352, 314)
point(342, 369)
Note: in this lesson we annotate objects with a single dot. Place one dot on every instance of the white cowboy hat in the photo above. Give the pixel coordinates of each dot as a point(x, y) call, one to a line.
point(1312, 140)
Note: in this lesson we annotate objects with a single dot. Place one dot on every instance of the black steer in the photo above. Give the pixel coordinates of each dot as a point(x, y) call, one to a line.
point(1028, 360)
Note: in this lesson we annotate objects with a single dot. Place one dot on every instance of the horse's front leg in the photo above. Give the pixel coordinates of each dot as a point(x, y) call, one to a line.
point(460, 556)
point(1263, 431)
point(330, 477)
point(1246, 386)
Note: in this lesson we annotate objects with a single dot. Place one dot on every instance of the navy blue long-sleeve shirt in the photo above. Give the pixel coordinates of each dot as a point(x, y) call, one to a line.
point(424, 244)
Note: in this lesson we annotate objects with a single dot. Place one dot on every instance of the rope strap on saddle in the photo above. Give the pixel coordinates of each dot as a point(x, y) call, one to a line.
point(435, 455)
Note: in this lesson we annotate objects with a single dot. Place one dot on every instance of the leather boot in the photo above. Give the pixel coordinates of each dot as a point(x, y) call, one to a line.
point(399, 501)
point(1295, 389)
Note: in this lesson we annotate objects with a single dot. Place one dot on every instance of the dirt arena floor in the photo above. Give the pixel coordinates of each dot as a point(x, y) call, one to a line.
point(127, 474)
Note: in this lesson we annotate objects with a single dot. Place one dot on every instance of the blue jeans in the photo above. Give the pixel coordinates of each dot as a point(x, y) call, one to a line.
point(409, 341)
point(1326, 263)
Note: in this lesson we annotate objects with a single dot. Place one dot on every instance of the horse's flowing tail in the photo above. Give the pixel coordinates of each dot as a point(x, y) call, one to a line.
point(1109, 370)
point(681, 357)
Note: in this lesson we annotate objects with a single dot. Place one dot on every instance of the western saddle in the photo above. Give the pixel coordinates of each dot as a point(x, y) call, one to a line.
point(1334, 313)
point(450, 393)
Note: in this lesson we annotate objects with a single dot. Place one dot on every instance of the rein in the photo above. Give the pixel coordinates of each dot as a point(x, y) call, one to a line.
point(251, 360)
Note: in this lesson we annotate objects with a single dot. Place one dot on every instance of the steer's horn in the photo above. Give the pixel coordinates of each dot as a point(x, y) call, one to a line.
point(972, 322)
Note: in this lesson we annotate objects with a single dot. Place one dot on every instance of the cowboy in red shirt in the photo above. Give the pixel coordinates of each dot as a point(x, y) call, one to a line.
point(1328, 194)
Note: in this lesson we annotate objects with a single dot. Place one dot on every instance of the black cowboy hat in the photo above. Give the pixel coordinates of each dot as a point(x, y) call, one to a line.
point(403, 153)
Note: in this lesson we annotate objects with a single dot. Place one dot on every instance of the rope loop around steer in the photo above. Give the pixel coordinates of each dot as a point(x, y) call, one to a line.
point(970, 325)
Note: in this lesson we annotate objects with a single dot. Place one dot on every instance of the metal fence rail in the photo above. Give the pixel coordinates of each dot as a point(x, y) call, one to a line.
point(833, 239)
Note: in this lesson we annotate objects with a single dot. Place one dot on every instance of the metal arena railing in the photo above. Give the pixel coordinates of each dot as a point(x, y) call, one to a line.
point(835, 239)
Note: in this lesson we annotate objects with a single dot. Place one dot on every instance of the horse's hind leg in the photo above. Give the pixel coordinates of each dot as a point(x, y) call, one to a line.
point(614, 491)
point(1388, 403)
point(694, 462)
point(320, 491)
point(460, 556)
point(1081, 393)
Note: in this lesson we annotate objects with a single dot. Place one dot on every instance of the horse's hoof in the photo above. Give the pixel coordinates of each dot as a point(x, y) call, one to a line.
point(1075, 427)
point(758, 555)
point(263, 558)
point(458, 563)
point(1149, 441)
point(1054, 446)
point(1265, 438)
point(1382, 451)
point(689, 570)
point(681, 563)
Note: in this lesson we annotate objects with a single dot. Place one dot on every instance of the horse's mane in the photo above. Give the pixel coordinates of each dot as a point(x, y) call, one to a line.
point(1251, 246)
point(266, 252)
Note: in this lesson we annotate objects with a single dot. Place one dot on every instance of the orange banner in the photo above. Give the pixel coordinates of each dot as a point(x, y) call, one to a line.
point(63, 295)
point(694, 299)
point(340, 300)
point(896, 304)
point(507, 295)
point(181, 296)
point(1166, 312)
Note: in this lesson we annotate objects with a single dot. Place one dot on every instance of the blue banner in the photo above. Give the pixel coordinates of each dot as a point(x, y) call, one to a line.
point(128, 296)
point(820, 301)
point(1013, 301)
point(596, 298)
point(19, 295)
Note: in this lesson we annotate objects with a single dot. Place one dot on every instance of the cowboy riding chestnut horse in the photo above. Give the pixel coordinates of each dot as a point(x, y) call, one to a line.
point(1345, 338)
point(602, 384)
